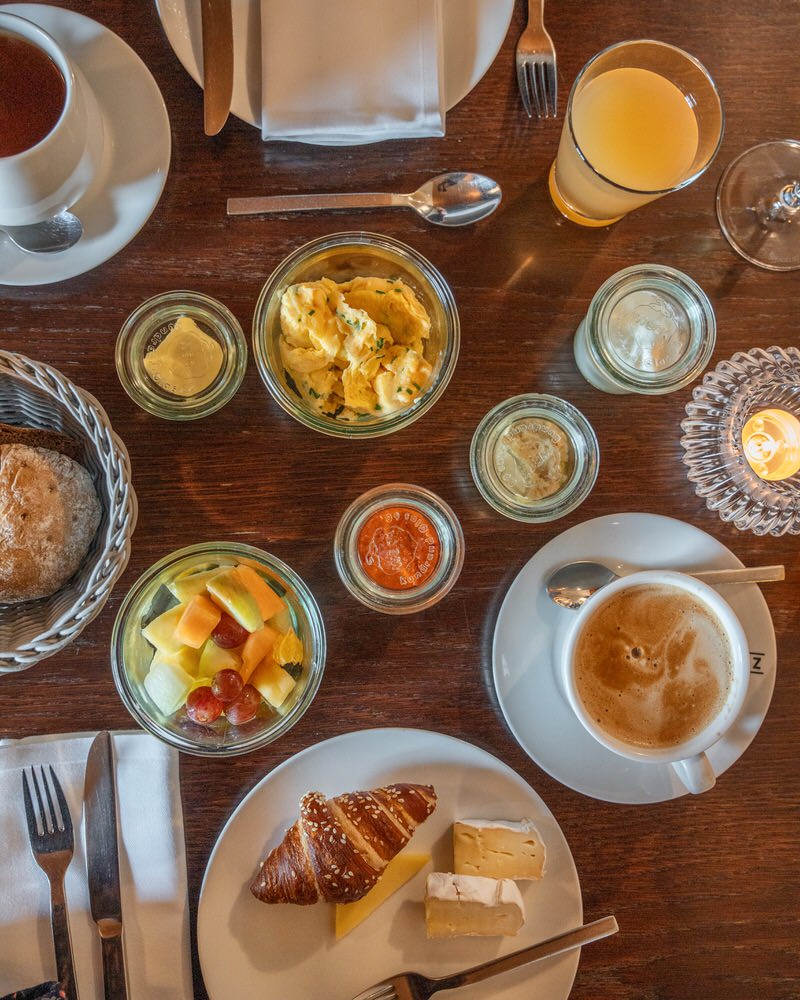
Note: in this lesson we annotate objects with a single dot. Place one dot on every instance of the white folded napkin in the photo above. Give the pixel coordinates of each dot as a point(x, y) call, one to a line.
point(351, 71)
point(155, 910)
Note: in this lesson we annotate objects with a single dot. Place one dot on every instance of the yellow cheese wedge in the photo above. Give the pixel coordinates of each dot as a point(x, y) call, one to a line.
point(399, 870)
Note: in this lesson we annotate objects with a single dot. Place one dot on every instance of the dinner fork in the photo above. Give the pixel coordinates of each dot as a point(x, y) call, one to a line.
point(413, 986)
point(50, 833)
point(536, 65)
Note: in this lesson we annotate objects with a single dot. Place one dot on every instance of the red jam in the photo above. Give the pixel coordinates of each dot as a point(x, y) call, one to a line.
point(399, 548)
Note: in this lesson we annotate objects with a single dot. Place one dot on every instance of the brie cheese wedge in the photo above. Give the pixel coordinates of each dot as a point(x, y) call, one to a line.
point(498, 849)
point(471, 905)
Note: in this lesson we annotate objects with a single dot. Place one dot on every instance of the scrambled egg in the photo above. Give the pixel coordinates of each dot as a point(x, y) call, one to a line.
point(357, 347)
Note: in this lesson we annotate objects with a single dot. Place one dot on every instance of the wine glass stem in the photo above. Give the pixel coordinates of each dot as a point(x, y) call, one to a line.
point(787, 204)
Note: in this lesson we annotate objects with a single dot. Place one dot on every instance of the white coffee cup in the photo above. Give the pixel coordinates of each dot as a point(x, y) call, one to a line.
point(53, 174)
point(688, 758)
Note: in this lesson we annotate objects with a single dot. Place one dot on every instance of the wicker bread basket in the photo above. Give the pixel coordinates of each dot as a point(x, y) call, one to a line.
point(37, 395)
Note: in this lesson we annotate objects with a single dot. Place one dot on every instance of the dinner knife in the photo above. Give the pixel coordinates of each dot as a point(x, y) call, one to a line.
point(102, 861)
point(217, 22)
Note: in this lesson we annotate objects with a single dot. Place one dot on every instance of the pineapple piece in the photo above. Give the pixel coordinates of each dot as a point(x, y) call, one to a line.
point(167, 684)
point(186, 658)
point(268, 602)
point(272, 682)
point(214, 658)
point(199, 619)
point(256, 647)
point(161, 631)
point(227, 590)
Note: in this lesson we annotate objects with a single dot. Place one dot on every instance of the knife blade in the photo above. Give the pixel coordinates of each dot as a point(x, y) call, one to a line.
point(102, 861)
point(217, 22)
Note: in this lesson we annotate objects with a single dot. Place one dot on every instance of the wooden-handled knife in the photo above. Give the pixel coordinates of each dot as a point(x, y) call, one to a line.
point(217, 23)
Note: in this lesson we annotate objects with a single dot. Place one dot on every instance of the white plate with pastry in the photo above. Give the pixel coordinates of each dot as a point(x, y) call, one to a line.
point(251, 948)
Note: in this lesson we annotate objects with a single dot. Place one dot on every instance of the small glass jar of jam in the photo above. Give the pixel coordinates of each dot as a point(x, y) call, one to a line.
point(399, 548)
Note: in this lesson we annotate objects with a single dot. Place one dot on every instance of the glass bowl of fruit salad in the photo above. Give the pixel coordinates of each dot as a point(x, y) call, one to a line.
point(218, 649)
point(356, 335)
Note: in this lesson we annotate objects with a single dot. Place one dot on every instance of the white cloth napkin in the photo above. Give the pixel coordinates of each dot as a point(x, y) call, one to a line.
point(351, 71)
point(155, 909)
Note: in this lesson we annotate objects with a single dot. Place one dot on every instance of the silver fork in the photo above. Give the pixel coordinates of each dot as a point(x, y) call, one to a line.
point(413, 986)
point(50, 833)
point(536, 65)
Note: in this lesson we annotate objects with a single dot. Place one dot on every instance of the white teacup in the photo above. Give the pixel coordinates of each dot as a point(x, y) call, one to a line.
point(656, 668)
point(52, 175)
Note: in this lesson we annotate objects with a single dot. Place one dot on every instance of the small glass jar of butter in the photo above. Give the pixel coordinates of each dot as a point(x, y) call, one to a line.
point(181, 355)
point(649, 329)
point(534, 457)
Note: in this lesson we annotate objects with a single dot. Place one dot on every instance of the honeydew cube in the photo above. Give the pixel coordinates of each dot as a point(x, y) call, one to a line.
point(167, 684)
point(186, 586)
point(227, 590)
point(213, 658)
point(255, 648)
point(186, 658)
point(269, 604)
point(282, 621)
point(199, 619)
point(272, 682)
point(161, 631)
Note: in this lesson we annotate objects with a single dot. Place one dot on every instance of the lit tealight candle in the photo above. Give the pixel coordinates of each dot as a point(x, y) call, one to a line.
point(771, 442)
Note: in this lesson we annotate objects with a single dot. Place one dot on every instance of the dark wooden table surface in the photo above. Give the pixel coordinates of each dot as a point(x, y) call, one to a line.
point(705, 889)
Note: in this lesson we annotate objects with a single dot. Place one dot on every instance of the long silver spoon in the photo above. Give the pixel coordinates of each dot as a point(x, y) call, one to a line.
point(51, 236)
point(452, 199)
point(572, 585)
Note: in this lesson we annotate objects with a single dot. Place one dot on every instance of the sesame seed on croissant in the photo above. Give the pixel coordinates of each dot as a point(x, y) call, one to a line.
point(338, 848)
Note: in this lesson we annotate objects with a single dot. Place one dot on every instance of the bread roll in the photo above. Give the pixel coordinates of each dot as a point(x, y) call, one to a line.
point(49, 513)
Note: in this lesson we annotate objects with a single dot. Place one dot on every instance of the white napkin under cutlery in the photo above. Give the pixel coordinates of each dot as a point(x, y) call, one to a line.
point(152, 863)
point(351, 71)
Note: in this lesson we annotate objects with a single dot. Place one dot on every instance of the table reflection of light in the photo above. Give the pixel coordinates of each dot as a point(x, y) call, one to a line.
point(771, 442)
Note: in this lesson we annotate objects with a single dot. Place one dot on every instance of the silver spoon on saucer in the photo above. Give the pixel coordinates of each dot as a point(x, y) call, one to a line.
point(572, 585)
point(452, 199)
point(60, 232)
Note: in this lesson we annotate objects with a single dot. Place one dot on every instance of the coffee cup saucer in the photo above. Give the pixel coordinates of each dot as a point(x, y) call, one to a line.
point(136, 157)
point(530, 629)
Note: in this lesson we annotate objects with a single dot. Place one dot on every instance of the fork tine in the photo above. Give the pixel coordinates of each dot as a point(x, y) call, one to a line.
point(524, 88)
point(380, 991)
point(30, 812)
point(53, 825)
point(552, 87)
point(41, 814)
point(538, 89)
point(66, 818)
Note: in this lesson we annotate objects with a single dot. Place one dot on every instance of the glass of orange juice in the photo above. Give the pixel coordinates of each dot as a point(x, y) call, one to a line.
point(644, 118)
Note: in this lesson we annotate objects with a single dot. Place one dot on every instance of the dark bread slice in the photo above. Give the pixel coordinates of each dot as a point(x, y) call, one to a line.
point(37, 437)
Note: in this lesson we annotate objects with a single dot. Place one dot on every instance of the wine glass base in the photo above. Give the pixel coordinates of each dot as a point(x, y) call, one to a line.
point(755, 221)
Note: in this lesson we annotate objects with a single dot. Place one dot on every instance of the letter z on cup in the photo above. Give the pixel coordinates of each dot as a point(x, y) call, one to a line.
point(656, 667)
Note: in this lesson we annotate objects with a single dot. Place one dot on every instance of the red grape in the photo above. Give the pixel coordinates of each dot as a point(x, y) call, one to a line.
point(203, 706)
point(229, 632)
point(245, 707)
point(227, 685)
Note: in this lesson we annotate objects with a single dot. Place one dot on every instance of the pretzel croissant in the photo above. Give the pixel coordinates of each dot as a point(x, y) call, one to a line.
point(338, 848)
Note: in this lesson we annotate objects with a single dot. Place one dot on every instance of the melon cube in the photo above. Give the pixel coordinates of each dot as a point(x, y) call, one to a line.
point(161, 631)
point(269, 603)
point(199, 619)
point(256, 647)
point(186, 658)
point(186, 585)
point(272, 682)
point(213, 658)
point(167, 684)
point(227, 590)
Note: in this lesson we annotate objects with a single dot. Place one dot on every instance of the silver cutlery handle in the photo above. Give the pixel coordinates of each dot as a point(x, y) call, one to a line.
point(113, 960)
point(312, 202)
point(743, 574)
point(594, 931)
point(61, 939)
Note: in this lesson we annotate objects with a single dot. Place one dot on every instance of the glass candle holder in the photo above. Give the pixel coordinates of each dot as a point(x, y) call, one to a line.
point(740, 420)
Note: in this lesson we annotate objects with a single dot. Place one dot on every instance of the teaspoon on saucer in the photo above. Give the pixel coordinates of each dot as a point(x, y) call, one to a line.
point(50, 236)
point(451, 199)
point(570, 586)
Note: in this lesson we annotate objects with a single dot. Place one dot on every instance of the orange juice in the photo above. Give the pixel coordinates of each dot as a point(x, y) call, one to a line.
point(637, 130)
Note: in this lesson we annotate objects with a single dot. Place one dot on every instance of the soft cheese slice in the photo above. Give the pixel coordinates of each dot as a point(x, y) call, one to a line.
point(498, 849)
point(400, 869)
point(471, 905)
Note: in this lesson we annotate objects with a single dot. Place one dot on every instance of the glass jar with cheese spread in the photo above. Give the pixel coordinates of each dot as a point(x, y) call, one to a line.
point(534, 457)
point(649, 329)
point(181, 355)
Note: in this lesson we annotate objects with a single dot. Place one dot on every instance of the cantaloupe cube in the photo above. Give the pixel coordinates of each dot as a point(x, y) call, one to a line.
point(213, 658)
point(161, 631)
point(167, 685)
point(272, 681)
point(269, 603)
point(199, 619)
point(256, 647)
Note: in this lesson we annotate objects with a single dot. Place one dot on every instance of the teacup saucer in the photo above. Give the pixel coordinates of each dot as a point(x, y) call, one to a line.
point(138, 145)
point(530, 628)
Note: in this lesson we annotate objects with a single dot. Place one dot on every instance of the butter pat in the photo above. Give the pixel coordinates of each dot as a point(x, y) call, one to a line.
point(498, 849)
point(186, 361)
point(469, 905)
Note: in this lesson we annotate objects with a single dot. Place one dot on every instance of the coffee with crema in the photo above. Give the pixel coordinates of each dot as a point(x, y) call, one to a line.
point(653, 666)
